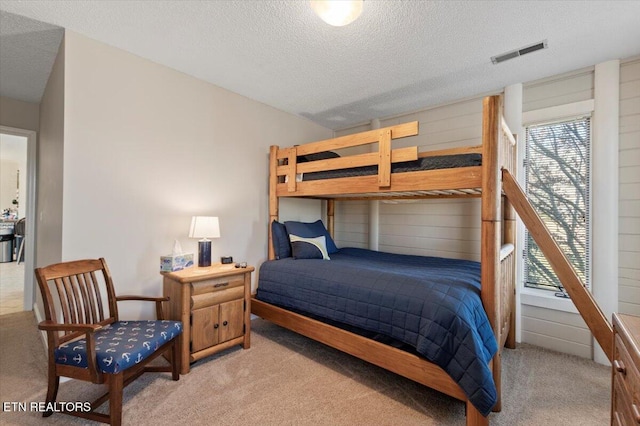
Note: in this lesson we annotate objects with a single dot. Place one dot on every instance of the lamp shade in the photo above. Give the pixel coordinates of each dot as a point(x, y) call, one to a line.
point(337, 12)
point(204, 227)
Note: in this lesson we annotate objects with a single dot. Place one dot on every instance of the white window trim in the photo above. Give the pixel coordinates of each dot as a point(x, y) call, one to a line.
point(540, 297)
point(546, 299)
point(557, 113)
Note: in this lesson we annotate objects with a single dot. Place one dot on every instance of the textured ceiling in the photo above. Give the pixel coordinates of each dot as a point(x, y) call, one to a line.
point(28, 49)
point(398, 56)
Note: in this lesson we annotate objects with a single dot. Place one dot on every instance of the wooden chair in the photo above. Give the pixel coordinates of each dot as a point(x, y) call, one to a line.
point(86, 344)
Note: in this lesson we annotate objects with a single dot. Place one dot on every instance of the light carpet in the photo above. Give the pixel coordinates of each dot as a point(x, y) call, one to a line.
point(11, 287)
point(287, 379)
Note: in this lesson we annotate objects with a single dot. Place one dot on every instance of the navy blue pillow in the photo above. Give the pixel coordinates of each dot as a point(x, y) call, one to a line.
point(310, 230)
point(281, 245)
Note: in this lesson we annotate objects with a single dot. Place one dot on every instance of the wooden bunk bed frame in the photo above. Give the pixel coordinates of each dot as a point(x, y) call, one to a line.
point(497, 231)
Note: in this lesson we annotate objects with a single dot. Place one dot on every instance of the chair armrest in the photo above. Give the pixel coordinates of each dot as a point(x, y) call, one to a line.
point(53, 326)
point(158, 300)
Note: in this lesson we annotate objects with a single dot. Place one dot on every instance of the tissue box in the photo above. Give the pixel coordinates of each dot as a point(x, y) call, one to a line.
point(176, 262)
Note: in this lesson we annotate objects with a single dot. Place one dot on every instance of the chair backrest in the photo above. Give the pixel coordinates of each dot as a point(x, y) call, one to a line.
point(81, 287)
point(19, 228)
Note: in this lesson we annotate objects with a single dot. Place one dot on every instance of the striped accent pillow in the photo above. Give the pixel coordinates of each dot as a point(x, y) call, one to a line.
point(308, 248)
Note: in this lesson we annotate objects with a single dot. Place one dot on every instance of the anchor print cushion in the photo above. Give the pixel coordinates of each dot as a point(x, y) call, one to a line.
point(120, 345)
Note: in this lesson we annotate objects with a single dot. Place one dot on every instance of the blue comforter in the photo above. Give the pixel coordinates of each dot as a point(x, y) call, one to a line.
point(432, 304)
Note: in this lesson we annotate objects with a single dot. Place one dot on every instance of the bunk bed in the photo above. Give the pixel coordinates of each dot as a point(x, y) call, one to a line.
point(306, 171)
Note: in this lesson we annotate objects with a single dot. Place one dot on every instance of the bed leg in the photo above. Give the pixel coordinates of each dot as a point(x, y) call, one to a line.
point(474, 418)
point(511, 335)
point(497, 378)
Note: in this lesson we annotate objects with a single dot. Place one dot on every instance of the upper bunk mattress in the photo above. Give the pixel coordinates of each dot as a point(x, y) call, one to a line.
point(432, 304)
point(423, 163)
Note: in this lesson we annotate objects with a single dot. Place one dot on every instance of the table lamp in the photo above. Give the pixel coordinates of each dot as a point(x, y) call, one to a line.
point(204, 227)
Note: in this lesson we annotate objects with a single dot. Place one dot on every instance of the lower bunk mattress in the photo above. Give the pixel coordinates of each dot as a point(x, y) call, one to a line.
point(431, 304)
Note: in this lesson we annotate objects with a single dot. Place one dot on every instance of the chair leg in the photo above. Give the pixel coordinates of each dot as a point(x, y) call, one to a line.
point(116, 384)
point(175, 360)
point(52, 391)
point(20, 251)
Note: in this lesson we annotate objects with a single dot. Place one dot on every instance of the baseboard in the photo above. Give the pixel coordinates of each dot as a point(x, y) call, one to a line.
point(43, 335)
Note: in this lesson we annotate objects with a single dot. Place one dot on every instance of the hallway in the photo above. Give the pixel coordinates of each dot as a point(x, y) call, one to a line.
point(11, 287)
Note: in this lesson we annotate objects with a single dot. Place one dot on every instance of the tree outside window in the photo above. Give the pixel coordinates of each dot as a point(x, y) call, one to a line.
point(557, 182)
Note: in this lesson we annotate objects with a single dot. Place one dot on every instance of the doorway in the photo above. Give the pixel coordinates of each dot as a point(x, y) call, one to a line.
point(17, 211)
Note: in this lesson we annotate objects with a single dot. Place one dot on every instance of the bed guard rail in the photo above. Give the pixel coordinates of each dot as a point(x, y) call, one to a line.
point(383, 158)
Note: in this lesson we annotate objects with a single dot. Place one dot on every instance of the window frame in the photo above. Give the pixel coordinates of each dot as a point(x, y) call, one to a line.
point(538, 297)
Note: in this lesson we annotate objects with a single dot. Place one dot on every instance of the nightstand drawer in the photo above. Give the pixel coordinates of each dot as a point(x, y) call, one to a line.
point(624, 367)
point(215, 284)
point(624, 411)
point(625, 395)
point(214, 298)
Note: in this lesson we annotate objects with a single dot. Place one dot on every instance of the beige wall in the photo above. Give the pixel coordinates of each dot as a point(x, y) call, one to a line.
point(19, 114)
point(50, 166)
point(48, 226)
point(147, 147)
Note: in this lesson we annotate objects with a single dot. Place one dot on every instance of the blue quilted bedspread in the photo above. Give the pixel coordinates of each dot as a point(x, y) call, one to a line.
point(432, 304)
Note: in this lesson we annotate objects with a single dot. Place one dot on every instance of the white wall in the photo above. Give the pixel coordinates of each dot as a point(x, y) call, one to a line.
point(546, 320)
point(352, 224)
point(629, 205)
point(352, 217)
point(147, 147)
point(8, 182)
point(443, 228)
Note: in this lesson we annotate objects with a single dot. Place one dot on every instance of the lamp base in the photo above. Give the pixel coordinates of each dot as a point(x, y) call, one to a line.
point(204, 253)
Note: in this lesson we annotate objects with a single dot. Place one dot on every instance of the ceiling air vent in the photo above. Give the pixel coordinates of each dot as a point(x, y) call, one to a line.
point(519, 52)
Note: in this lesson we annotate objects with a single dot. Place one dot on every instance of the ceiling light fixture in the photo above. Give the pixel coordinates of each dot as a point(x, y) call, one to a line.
point(337, 12)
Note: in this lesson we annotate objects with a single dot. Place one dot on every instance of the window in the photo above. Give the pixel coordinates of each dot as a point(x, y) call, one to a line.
point(557, 184)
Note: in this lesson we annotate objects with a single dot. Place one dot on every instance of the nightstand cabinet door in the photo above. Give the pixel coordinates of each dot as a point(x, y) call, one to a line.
point(231, 320)
point(205, 324)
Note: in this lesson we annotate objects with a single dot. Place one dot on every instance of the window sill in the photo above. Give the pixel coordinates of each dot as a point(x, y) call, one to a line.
point(546, 299)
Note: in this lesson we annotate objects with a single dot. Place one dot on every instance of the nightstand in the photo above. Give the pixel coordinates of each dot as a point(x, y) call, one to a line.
point(213, 304)
point(625, 392)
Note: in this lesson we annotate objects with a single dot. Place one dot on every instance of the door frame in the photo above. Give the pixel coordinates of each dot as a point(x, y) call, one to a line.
point(30, 213)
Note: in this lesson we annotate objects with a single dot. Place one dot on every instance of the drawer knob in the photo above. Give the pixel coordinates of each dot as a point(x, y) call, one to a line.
point(619, 367)
point(636, 413)
point(216, 325)
point(225, 323)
